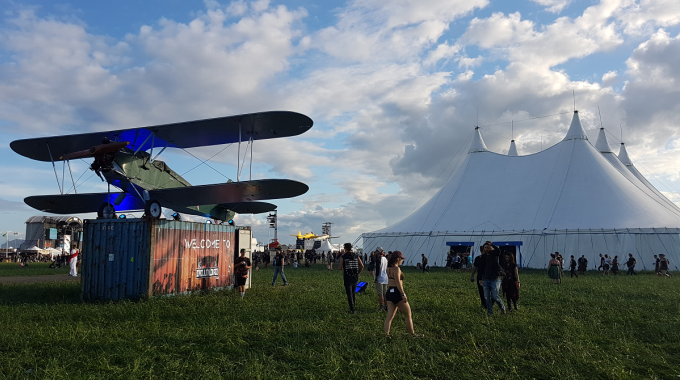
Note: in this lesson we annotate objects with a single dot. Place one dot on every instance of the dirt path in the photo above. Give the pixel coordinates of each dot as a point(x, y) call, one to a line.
point(37, 279)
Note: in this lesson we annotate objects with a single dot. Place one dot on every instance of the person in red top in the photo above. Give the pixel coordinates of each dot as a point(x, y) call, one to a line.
point(73, 259)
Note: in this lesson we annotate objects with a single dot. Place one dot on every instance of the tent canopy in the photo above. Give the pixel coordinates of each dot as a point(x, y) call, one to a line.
point(571, 186)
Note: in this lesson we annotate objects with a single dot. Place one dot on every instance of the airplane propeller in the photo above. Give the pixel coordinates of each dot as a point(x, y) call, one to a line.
point(97, 150)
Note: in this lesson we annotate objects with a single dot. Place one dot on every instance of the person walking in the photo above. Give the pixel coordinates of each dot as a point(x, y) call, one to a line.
point(560, 258)
point(601, 263)
point(656, 264)
point(607, 264)
point(663, 266)
point(631, 265)
point(572, 266)
point(371, 261)
point(582, 264)
point(423, 263)
point(279, 262)
point(242, 265)
point(476, 268)
point(491, 273)
point(266, 258)
point(396, 297)
point(615, 265)
point(554, 270)
point(73, 261)
point(351, 266)
point(381, 281)
point(510, 283)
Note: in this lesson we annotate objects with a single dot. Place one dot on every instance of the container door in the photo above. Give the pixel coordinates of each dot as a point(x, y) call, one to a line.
point(245, 239)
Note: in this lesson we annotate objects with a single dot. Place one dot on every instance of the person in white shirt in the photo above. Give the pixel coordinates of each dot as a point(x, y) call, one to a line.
point(74, 261)
point(381, 281)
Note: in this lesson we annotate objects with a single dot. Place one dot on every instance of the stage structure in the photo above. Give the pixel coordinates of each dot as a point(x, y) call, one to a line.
point(574, 197)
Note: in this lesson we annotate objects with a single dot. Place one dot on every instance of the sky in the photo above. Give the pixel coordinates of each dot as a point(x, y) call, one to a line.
point(395, 89)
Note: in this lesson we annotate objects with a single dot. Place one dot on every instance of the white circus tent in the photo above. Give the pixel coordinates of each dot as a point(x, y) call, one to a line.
point(326, 246)
point(573, 197)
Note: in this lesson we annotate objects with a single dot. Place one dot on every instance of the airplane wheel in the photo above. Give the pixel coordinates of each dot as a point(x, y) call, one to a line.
point(106, 211)
point(153, 209)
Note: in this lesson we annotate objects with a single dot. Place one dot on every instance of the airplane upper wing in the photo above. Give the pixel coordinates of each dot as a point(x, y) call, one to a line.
point(221, 130)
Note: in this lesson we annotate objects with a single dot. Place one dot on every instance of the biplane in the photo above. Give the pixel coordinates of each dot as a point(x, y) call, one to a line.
point(125, 160)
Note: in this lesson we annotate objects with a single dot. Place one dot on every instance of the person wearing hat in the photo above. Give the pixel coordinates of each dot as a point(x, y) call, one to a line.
point(279, 260)
point(396, 298)
point(242, 265)
point(351, 266)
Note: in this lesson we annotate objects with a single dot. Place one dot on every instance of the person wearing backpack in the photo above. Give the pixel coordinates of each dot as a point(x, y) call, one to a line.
point(351, 266)
point(279, 261)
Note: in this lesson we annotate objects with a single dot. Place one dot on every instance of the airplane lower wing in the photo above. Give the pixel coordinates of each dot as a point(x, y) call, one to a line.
point(82, 203)
point(249, 207)
point(232, 192)
point(240, 197)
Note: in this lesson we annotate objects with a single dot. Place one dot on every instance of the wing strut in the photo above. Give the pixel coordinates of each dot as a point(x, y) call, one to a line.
point(71, 173)
point(54, 167)
point(159, 153)
point(142, 144)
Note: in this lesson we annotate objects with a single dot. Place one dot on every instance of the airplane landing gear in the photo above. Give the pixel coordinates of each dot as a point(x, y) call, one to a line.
point(106, 211)
point(153, 209)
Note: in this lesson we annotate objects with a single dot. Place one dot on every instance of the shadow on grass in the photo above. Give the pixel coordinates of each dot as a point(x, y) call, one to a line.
point(45, 293)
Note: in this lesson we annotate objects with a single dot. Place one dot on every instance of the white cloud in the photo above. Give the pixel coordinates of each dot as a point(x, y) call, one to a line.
point(643, 17)
point(519, 40)
point(554, 6)
point(609, 78)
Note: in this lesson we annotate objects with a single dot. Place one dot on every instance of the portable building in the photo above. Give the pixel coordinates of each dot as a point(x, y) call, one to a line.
point(138, 258)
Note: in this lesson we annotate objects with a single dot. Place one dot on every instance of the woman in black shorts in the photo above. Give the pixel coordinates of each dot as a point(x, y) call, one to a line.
point(396, 299)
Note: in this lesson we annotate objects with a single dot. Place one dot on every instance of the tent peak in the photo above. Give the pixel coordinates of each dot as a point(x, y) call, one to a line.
point(513, 149)
point(623, 156)
point(602, 145)
point(575, 131)
point(477, 143)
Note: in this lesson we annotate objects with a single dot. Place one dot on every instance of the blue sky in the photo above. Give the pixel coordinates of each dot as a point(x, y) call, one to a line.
point(394, 89)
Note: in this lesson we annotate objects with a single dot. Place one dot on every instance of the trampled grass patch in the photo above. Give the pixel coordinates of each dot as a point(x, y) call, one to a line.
point(614, 327)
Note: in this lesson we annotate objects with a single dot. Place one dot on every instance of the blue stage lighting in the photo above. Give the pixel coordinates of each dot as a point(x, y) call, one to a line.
point(231, 222)
point(122, 216)
point(208, 221)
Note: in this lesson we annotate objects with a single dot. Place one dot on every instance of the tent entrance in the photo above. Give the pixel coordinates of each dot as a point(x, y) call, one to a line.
point(510, 248)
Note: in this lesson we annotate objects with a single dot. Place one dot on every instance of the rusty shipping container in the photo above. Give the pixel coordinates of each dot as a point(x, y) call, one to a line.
point(137, 258)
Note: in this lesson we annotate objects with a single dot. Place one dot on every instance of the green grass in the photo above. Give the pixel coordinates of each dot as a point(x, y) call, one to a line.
point(32, 269)
point(592, 327)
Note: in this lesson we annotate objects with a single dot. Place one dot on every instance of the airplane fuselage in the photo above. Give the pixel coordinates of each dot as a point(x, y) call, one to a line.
point(135, 174)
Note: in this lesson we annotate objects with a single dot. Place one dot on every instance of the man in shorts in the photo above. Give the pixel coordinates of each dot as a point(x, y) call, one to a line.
point(242, 266)
point(381, 281)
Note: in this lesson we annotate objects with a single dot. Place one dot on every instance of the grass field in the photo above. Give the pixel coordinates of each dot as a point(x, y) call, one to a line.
point(32, 269)
point(613, 327)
